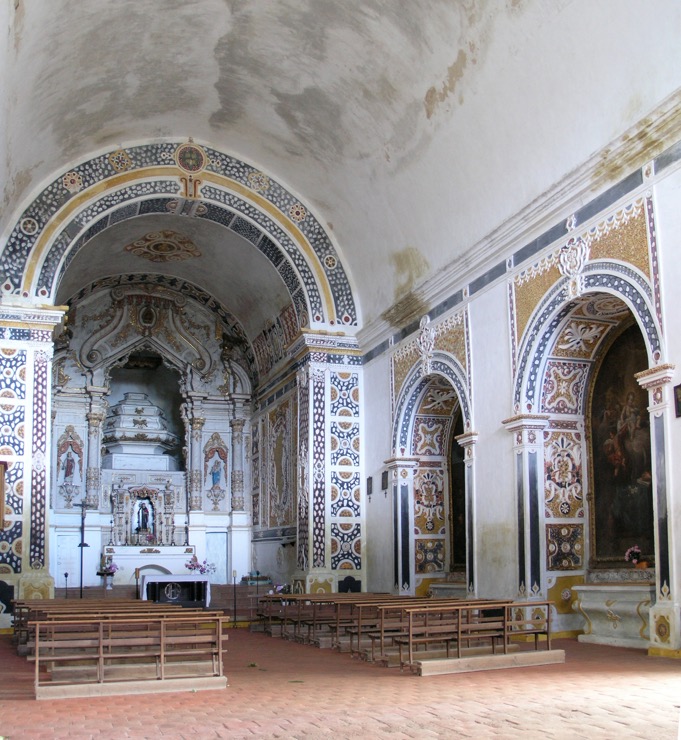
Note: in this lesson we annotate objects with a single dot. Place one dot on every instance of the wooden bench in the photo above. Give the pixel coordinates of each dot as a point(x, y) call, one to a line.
point(85, 656)
point(462, 626)
point(31, 611)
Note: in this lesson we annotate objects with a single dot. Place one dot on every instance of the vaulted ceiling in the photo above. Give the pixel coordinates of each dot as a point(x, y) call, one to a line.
point(424, 135)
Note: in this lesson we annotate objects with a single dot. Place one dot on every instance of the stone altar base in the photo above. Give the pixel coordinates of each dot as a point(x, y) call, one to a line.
point(615, 613)
point(150, 559)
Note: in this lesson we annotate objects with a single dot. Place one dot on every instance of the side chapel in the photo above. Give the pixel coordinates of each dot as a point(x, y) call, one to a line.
point(418, 366)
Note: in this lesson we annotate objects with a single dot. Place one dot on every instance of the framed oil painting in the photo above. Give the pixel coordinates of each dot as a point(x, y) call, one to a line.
point(621, 453)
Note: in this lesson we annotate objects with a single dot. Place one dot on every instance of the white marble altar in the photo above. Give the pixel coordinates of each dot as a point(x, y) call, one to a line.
point(615, 613)
point(150, 560)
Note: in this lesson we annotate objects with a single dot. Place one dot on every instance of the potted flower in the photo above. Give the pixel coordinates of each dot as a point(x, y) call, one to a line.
point(107, 570)
point(633, 555)
point(195, 566)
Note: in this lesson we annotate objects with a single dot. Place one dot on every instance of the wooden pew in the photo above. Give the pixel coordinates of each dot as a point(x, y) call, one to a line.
point(91, 655)
point(466, 625)
point(33, 610)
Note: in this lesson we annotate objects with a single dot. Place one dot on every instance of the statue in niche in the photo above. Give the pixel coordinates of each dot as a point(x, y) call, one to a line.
point(144, 522)
point(216, 472)
point(69, 467)
point(143, 517)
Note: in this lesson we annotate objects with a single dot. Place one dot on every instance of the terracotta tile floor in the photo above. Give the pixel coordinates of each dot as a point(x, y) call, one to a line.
point(279, 689)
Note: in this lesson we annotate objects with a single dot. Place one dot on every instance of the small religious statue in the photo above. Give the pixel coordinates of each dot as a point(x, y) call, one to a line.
point(215, 472)
point(143, 517)
point(69, 467)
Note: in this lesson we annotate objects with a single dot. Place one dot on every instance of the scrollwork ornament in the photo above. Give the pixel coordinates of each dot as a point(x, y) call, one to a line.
point(426, 344)
point(571, 260)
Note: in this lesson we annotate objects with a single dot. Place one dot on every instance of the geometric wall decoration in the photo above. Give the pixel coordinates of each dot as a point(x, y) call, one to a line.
point(346, 546)
point(343, 448)
point(430, 556)
point(429, 435)
point(563, 475)
point(563, 386)
point(429, 510)
point(565, 546)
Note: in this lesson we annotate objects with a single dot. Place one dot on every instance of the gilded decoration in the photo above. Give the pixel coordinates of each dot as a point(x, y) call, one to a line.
point(530, 286)
point(321, 586)
point(662, 628)
point(402, 362)
point(164, 246)
point(440, 399)
point(450, 337)
point(563, 474)
point(561, 594)
point(565, 546)
point(623, 237)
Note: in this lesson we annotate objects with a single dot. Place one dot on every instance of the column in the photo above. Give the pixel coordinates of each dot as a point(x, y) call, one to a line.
point(195, 456)
point(240, 529)
point(665, 614)
point(529, 484)
point(401, 472)
point(237, 477)
point(26, 350)
point(93, 472)
point(467, 441)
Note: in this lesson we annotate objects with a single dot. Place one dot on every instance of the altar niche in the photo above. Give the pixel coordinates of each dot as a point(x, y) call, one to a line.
point(143, 515)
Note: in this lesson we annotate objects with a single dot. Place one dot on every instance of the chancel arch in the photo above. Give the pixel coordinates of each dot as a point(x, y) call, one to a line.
point(188, 180)
point(177, 258)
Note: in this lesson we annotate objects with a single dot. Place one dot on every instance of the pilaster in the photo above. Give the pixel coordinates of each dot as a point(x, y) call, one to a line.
point(527, 430)
point(665, 614)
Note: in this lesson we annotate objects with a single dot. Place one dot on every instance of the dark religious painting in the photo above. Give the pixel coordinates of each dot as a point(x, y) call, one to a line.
point(622, 495)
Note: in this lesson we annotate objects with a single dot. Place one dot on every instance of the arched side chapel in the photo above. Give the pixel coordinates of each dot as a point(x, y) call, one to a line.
point(565, 310)
point(268, 442)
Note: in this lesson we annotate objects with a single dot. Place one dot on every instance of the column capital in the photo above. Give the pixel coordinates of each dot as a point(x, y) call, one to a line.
point(237, 424)
point(526, 421)
point(656, 376)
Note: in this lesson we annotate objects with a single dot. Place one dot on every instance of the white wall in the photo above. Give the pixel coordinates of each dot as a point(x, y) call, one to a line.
point(377, 448)
point(495, 496)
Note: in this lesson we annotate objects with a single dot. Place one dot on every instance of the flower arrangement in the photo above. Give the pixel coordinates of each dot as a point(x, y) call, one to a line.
point(195, 566)
point(633, 554)
point(109, 567)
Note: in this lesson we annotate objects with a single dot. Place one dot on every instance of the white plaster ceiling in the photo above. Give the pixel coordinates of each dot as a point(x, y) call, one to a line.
point(413, 129)
point(224, 264)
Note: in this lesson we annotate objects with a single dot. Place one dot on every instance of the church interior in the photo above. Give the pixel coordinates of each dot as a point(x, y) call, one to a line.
point(346, 292)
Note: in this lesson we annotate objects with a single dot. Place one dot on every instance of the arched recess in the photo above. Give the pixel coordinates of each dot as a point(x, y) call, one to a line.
point(558, 360)
point(185, 179)
point(433, 404)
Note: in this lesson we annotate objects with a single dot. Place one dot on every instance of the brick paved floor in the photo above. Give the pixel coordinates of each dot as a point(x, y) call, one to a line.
point(279, 689)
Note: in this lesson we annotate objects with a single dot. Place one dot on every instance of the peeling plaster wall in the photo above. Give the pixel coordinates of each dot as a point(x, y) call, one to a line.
point(420, 126)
